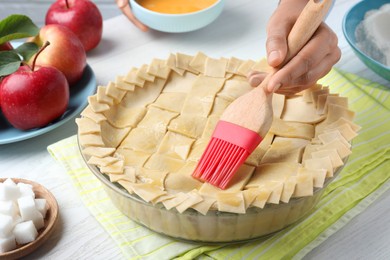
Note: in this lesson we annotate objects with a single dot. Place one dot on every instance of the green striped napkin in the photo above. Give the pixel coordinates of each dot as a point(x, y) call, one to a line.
point(363, 179)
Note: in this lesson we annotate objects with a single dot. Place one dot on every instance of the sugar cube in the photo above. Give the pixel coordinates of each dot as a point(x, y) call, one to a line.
point(7, 208)
point(9, 192)
point(26, 190)
point(7, 243)
point(25, 232)
point(9, 182)
point(6, 225)
point(40, 205)
point(26, 206)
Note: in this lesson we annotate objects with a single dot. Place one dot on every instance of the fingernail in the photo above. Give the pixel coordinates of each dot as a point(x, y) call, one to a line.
point(273, 56)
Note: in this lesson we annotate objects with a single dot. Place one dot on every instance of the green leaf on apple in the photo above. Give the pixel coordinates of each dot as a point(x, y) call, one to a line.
point(9, 62)
point(27, 50)
point(17, 26)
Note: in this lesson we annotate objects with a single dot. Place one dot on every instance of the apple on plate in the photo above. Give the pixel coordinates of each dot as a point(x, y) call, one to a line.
point(34, 97)
point(66, 51)
point(81, 16)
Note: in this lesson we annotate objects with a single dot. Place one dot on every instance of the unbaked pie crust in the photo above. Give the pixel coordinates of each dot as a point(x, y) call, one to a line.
point(147, 130)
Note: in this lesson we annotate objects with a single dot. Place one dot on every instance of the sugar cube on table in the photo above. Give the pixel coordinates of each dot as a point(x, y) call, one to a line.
point(6, 225)
point(9, 192)
point(25, 232)
point(7, 243)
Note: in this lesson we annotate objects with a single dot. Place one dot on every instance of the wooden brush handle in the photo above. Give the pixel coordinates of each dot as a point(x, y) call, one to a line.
point(254, 109)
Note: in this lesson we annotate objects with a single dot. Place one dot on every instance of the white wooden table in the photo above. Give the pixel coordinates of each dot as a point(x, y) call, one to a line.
point(239, 32)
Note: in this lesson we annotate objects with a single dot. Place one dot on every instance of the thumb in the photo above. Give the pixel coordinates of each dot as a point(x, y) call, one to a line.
point(276, 44)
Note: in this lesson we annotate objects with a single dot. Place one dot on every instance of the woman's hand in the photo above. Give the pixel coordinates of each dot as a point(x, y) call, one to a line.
point(126, 10)
point(313, 61)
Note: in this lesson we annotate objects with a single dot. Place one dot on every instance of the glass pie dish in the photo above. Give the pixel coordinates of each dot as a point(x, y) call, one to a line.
point(215, 226)
point(143, 135)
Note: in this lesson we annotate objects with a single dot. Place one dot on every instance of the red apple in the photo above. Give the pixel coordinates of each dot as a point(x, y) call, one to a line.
point(32, 98)
point(66, 52)
point(6, 47)
point(81, 16)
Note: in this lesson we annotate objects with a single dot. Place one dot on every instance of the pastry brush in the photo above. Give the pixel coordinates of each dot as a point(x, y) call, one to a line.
point(247, 119)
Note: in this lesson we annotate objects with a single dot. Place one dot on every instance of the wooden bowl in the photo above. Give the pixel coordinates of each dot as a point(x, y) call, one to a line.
point(50, 221)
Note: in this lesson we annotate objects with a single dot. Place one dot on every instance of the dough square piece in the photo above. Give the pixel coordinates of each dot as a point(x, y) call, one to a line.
point(157, 119)
point(105, 161)
point(345, 130)
point(332, 154)
point(272, 172)
point(306, 94)
point(285, 150)
point(175, 145)
point(182, 179)
point(123, 85)
point(333, 135)
point(164, 163)
point(188, 125)
point(111, 135)
point(231, 202)
point(257, 155)
point(220, 104)
point(234, 89)
point(171, 63)
point(87, 126)
point(170, 101)
point(320, 163)
point(292, 129)
point(143, 140)
point(114, 168)
point(115, 93)
point(245, 67)
point(297, 110)
point(193, 198)
point(102, 97)
point(215, 68)
point(304, 186)
point(198, 63)
point(198, 105)
point(131, 157)
point(91, 140)
point(145, 96)
point(183, 62)
point(143, 73)
point(147, 191)
point(211, 123)
point(96, 105)
point(233, 65)
point(123, 117)
point(89, 113)
point(154, 177)
point(341, 148)
point(99, 151)
point(132, 78)
point(159, 69)
point(180, 84)
point(197, 149)
point(205, 86)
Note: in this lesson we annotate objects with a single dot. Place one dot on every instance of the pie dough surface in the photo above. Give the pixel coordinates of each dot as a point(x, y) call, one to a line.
point(148, 129)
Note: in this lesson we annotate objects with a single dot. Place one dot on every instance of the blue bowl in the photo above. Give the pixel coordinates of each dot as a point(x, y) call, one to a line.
point(351, 20)
point(177, 23)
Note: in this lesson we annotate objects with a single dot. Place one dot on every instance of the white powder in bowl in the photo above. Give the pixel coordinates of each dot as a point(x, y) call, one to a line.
point(373, 34)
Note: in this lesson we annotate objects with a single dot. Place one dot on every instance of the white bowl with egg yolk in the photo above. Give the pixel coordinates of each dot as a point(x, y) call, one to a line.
point(179, 20)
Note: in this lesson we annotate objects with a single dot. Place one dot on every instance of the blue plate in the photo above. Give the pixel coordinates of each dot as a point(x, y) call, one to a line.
point(351, 20)
point(78, 99)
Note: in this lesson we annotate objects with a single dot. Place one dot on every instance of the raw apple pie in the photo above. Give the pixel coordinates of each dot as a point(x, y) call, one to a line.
point(143, 133)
